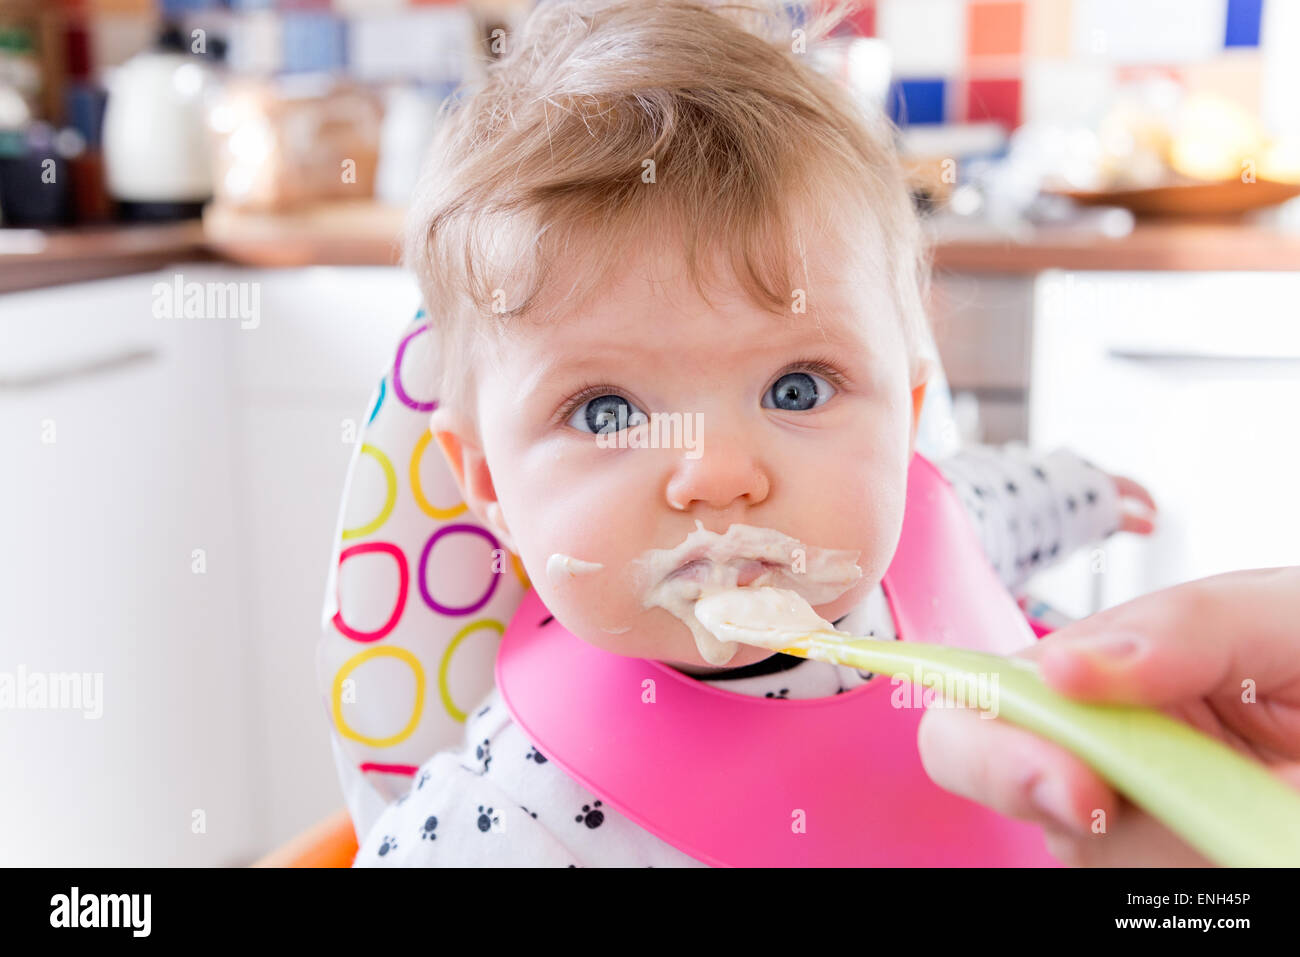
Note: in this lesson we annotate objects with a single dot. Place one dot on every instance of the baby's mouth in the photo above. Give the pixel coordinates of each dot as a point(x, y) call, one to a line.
point(701, 570)
point(744, 556)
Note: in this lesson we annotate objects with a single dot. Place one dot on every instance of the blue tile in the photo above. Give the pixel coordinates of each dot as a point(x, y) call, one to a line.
point(1243, 23)
point(312, 42)
point(173, 8)
point(917, 101)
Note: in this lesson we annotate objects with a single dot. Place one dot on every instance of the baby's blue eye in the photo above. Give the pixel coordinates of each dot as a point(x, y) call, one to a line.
point(606, 413)
point(798, 392)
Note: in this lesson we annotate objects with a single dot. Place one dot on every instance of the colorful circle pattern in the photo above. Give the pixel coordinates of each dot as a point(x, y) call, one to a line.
point(439, 541)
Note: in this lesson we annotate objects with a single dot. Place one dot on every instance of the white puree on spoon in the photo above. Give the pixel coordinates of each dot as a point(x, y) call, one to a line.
point(773, 618)
point(745, 557)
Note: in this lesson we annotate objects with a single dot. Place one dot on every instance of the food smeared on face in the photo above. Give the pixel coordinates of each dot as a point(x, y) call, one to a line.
point(745, 557)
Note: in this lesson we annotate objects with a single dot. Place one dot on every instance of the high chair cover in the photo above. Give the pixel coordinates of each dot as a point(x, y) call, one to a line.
point(417, 598)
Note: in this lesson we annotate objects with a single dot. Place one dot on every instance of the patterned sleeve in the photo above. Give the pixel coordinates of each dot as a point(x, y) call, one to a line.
point(1031, 509)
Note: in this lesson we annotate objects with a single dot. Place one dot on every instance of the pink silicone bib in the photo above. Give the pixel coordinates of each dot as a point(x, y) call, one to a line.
point(735, 780)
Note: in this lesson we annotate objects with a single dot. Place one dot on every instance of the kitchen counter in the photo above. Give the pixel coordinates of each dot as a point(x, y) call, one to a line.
point(31, 258)
point(367, 234)
point(1151, 246)
point(327, 234)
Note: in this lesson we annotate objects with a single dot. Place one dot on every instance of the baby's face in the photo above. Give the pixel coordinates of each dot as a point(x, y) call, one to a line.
point(803, 423)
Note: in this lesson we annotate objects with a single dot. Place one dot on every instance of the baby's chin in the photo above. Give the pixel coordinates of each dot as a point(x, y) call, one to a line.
point(672, 645)
point(655, 635)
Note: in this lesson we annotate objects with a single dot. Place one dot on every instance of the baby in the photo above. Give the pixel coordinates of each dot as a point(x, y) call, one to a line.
point(664, 208)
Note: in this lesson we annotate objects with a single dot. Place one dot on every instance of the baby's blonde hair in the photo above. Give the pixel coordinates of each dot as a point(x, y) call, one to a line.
point(608, 125)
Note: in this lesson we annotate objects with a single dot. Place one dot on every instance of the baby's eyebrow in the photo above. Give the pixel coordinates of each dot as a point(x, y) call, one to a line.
point(811, 333)
point(554, 367)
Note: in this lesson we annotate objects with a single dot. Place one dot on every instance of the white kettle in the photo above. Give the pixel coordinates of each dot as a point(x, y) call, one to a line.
point(157, 156)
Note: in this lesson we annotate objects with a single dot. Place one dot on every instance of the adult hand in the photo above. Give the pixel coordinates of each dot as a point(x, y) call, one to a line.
point(1221, 654)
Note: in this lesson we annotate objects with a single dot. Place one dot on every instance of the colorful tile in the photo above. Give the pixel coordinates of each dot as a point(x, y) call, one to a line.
point(862, 22)
point(926, 37)
point(1047, 28)
point(995, 29)
point(428, 43)
point(918, 100)
point(996, 99)
point(1243, 23)
point(1126, 31)
point(313, 42)
point(175, 8)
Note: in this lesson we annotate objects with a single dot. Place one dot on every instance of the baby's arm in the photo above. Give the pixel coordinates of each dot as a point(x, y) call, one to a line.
point(1033, 509)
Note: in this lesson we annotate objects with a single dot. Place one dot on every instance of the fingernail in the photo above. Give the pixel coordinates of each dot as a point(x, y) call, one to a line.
point(1049, 796)
point(1110, 648)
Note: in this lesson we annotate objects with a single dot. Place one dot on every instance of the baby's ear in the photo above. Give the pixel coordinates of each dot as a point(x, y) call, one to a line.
point(461, 447)
point(924, 371)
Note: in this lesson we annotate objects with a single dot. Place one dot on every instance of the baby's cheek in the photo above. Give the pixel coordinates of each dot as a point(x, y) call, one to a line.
point(867, 522)
point(596, 605)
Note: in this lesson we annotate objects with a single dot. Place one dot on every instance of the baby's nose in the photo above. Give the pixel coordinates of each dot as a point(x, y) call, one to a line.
point(723, 475)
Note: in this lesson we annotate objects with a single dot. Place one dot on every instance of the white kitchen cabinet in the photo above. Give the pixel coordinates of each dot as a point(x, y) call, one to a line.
point(174, 538)
point(112, 481)
point(1189, 383)
point(300, 383)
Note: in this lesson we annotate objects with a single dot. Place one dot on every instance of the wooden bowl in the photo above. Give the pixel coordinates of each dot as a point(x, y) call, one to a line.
point(1191, 198)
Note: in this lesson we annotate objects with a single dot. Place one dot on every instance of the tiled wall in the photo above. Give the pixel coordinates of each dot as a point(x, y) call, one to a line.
point(1012, 61)
point(369, 39)
point(1009, 61)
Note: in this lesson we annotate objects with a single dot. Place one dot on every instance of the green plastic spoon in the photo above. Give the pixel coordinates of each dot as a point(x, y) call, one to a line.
point(1230, 808)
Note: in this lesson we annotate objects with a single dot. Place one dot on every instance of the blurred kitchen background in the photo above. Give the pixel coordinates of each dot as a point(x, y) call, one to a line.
point(1108, 185)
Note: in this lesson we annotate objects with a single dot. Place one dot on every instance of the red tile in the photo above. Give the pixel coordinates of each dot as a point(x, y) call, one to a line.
point(864, 20)
point(860, 22)
point(994, 99)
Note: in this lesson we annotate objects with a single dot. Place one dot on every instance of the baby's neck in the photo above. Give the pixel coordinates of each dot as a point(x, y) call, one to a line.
point(777, 661)
point(698, 671)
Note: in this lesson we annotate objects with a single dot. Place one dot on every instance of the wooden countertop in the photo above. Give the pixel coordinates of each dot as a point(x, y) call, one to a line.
point(1152, 245)
point(367, 234)
point(329, 234)
point(364, 234)
point(30, 258)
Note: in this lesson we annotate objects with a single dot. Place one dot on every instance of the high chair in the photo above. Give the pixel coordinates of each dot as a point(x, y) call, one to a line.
point(417, 598)
point(331, 843)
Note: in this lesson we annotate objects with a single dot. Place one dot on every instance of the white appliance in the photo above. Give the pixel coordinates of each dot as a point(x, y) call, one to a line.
point(156, 148)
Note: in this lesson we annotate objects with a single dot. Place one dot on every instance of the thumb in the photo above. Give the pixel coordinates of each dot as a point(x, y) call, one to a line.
point(1223, 635)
